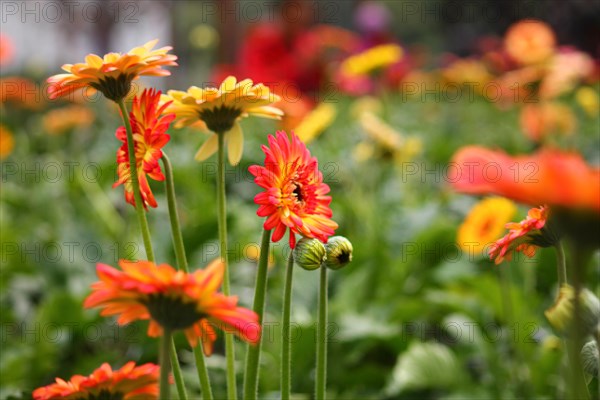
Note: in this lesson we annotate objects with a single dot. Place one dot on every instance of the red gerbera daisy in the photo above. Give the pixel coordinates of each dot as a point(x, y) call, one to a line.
point(295, 195)
point(127, 383)
point(522, 236)
point(149, 137)
point(172, 299)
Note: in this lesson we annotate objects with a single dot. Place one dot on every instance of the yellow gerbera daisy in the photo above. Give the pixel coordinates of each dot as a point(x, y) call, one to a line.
point(485, 224)
point(220, 110)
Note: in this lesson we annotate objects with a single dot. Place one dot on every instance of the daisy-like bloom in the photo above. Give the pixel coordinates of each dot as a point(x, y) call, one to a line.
point(525, 236)
point(484, 224)
point(128, 383)
point(549, 176)
point(112, 74)
point(530, 42)
point(173, 300)
point(220, 110)
point(295, 196)
point(149, 135)
point(313, 124)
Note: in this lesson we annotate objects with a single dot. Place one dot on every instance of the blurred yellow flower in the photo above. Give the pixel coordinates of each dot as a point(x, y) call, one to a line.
point(7, 142)
point(366, 104)
point(371, 59)
point(252, 253)
point(466, 71)
point(316, 122)
point(484, 224)
point(401, 147)
point(220, 110)
point(67, 118)
point(588, 100)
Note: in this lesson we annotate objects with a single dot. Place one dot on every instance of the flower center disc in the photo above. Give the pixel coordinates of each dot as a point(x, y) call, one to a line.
point(220, 119)
point(172, 313)
point(105, 395)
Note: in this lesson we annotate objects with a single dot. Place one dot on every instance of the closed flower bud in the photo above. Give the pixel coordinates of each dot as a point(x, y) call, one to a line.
point(309, 253)
point(589, 358)
point(339, 252)
point(561, 315)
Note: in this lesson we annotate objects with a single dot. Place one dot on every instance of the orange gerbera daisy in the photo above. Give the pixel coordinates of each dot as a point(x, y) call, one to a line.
point(550, 176)
point(172, 299)
point(295, 195)
point(127, 383)
point(530, 42)
point(149, 137)
point(525, 236)
point(113, 74)
point(220, 110)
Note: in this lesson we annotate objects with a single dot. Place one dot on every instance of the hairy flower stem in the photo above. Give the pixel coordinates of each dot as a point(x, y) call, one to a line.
point(177, 375)
point(137, 195)
point(165, 345)
point(222, 220)
point(574, 342)
point(286, 362)
point(260, 294)
point(561, 265)
point(183, 265)
point(321, 377)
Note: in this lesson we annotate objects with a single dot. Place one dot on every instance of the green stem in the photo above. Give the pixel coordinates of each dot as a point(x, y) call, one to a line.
point(320, 381)
point(260, 291)
point(222, 219)
point(574, 341)
point(165, 346)
point(286, 331)
point(139, 208)
point(202, 372)
point(561, 265)
point(174, 216)
point(177, 372)
point(183, 265)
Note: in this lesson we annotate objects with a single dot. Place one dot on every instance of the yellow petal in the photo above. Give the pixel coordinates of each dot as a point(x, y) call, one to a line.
point(228, 84)
point(235, 144)
point(208, 148)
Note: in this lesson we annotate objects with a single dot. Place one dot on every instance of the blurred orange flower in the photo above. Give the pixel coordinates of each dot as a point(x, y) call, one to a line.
point(172, 299)
point(521, 236)
point(6, 50)
point(540, 120)
point(112, 75)
point(220, 110)
point(530, 42)
point(128, 383)
point(21, 92)
point(7, 142)
point(64, 119)
point(549, 176)
point(295, 196)
point(149, 135)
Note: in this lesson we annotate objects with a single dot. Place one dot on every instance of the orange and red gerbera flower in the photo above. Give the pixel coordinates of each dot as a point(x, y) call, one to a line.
point(523, 236)
point(128, 383)
point(549, 176)
point(295, 196)
point(149, 136)
point(172, 300)
point(112, 74)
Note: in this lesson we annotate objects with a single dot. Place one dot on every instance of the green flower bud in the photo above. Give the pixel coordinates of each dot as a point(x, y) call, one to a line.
point(589, 358)
point(339, 252)
point(309, 253)
point(562, 314)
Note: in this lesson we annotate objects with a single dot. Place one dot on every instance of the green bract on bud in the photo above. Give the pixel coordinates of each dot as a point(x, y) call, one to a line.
point(339, 252)
point(562, 314)
point(590, 358)
point(309, 253)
